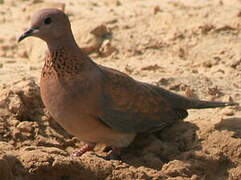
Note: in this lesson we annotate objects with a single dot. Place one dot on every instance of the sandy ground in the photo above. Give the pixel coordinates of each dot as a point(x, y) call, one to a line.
point(188, 46)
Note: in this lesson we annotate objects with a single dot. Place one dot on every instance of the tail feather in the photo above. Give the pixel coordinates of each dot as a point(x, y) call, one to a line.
point(181, 102)
point(197, 104)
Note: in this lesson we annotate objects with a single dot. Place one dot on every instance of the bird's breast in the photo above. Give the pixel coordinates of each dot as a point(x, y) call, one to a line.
point(74, 105)
point(65, 98)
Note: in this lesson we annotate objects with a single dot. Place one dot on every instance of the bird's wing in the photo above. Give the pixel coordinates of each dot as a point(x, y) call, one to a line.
point(130, 106)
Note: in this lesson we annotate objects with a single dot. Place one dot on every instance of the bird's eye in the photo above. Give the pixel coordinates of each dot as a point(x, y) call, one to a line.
point(47, 20)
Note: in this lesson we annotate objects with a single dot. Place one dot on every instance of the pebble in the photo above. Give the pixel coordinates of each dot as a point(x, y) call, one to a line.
point(228, 112)
point(25, 126)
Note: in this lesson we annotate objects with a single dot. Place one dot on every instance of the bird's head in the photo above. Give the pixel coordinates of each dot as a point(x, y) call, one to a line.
point(48, 24)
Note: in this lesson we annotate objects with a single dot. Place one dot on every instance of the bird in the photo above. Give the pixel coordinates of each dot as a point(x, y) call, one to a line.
point(98, 104)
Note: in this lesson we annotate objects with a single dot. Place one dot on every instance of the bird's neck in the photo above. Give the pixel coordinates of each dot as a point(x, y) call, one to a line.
point(65, 59)
point(67, 42)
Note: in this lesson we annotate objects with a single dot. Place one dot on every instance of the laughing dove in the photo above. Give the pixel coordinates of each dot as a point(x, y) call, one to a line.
point(98, 104)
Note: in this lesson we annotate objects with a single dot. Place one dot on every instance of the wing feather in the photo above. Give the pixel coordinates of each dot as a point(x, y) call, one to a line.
point(130, 106)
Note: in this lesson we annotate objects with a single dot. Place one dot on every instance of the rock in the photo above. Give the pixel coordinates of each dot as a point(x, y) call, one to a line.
point(228, 98)
point(156, 10)
point(190, 92)
point(177, 168)
point(25, 126)
point(93, 39)
point(228, 112)
point(107, 49)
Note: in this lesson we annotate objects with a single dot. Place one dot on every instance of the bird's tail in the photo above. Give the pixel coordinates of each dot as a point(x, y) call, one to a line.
point(198, 104)
point(180, 102)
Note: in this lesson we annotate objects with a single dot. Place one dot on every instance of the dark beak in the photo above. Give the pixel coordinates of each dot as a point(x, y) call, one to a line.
point(26, 34)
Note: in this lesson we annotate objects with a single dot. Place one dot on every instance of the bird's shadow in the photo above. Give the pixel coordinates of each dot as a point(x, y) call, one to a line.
point(154, 150)
point(11, 166)
point(179, 149)
point(231, 124)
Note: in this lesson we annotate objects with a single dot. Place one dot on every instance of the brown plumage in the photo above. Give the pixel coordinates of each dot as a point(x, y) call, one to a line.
point(95, 103)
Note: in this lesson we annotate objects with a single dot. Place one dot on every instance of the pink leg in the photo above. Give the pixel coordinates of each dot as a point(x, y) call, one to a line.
point(84, 149)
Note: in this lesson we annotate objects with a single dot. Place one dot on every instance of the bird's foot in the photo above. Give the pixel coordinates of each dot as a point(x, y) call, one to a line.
point(115, 154)
point(84, 149)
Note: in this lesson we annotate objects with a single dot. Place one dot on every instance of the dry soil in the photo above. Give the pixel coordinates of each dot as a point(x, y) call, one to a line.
point(188, 46)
